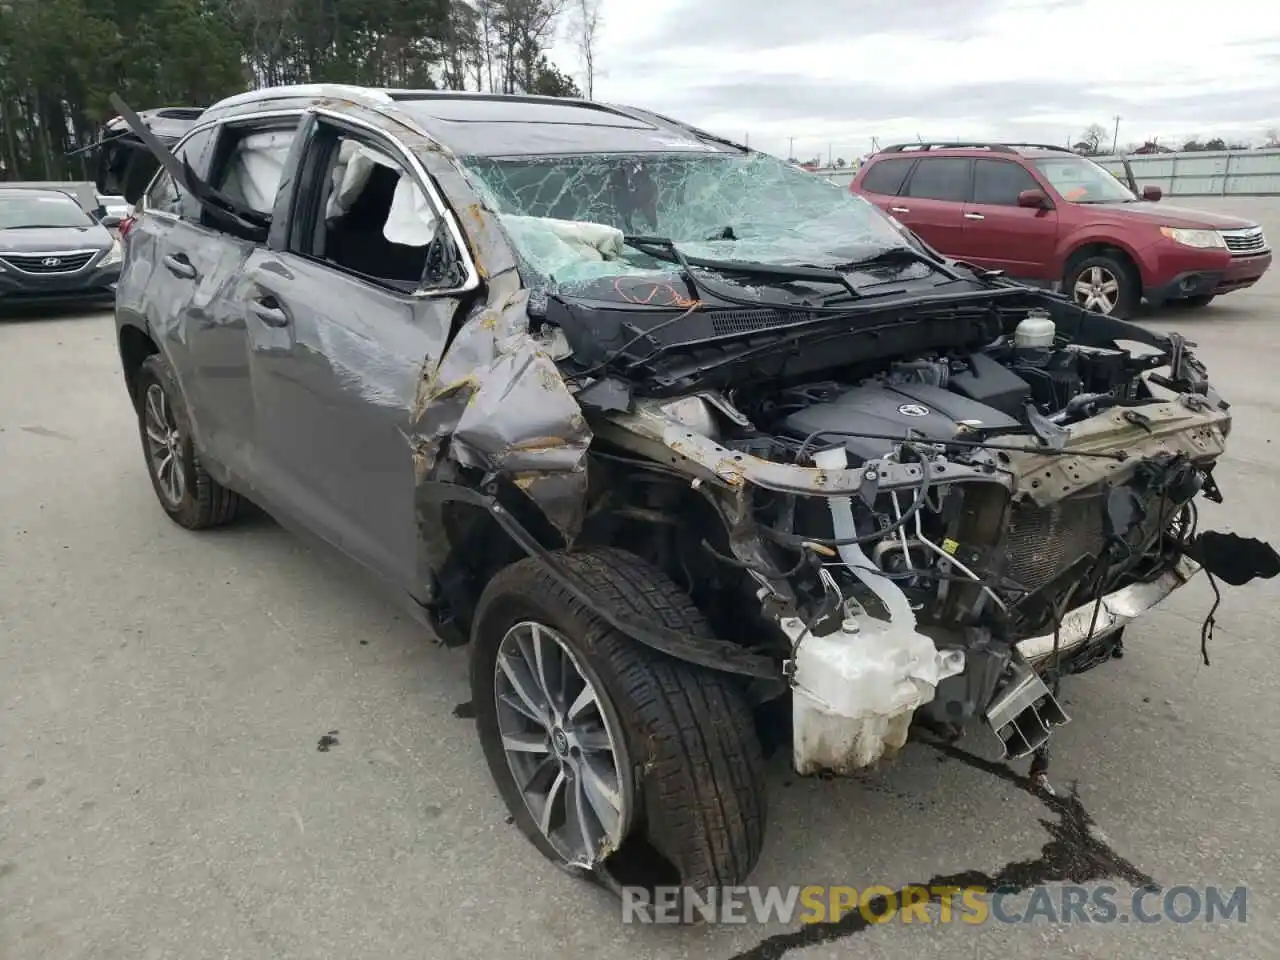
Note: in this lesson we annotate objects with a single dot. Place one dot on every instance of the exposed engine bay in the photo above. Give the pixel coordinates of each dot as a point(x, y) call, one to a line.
point(940, 535)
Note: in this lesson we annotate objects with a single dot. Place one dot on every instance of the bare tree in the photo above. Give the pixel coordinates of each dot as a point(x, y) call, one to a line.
point(487, 14)
point(1092, 138)
point(1272, 137)
point(586, 28)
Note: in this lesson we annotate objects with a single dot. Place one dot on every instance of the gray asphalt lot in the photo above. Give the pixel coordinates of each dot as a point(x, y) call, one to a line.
point(162, 696)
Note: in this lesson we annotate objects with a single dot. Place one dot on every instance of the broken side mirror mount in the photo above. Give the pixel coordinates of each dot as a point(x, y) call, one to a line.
point(1035, 199)
point(443, 269)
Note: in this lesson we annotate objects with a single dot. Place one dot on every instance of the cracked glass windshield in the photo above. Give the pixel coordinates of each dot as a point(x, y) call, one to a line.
point(567, 215)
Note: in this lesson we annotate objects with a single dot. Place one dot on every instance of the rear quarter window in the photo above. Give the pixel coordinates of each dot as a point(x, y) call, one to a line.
point(166, 195)
point(885, 176)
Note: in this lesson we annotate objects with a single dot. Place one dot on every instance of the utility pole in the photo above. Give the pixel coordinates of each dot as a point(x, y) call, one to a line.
point(746, 139)
point(1115, 137)
point(791, 150)
point(830, 156)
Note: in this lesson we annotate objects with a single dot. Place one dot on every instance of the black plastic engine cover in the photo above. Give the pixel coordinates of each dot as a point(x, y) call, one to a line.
point(921, 409)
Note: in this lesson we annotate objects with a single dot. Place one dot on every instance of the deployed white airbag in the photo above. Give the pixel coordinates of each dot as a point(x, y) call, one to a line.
point(579, 239)
point(254, 170)
point(411, 220)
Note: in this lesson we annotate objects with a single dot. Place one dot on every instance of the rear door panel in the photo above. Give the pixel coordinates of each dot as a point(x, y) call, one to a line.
point(932, 202)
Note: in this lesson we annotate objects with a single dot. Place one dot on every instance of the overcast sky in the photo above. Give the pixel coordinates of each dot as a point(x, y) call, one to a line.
point(837, 73)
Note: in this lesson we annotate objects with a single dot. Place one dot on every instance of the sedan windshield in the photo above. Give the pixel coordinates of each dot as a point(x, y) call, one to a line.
point(567, 214)
point(1080, 180)
point(17, 213)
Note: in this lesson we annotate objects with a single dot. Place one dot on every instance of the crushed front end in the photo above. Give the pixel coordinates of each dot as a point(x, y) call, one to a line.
point(938, 535)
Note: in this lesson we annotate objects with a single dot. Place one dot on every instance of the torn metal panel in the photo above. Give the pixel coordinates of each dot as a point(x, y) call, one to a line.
point(1091, 622)
point(499, 400)
point(1169, 428)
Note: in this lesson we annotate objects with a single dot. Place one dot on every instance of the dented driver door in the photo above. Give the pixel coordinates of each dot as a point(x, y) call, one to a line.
point(337, 354)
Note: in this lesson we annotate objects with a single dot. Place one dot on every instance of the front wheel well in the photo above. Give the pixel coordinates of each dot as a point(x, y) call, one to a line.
point(135, 347)
point(1102, 249)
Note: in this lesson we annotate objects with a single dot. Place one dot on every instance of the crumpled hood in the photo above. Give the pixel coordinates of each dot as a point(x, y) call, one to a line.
point(38, 240)
point(1167, 215)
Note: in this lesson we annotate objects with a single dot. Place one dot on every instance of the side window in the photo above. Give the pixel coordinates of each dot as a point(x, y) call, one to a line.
point(165, 194)
point(885, 177)
point(248, 164)
point(252, 162)
point(940, 178)
point(999, 182)
point(363, 211)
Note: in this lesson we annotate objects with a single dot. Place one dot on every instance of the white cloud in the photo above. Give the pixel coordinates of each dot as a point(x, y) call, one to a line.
point(827, 73)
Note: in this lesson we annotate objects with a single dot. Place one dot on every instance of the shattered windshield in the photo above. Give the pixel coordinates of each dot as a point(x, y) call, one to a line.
point(567, 215)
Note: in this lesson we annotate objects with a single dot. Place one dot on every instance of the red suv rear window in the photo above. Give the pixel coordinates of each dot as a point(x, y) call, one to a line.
point(886, 176)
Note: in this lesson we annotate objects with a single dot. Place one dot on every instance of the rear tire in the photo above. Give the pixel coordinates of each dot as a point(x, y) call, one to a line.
point(1104, 283)
point(190, 497)
point(688, 755)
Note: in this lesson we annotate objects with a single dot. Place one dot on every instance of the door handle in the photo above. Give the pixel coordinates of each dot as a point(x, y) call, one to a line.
point(974, 216)
point(179, 265)
point(899, 209)
point(269, 311)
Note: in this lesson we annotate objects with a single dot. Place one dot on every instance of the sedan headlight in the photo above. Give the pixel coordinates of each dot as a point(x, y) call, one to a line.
point(114, 255)
point(1204, 239)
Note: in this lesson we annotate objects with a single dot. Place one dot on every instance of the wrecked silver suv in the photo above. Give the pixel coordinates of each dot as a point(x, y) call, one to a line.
point(696, 449)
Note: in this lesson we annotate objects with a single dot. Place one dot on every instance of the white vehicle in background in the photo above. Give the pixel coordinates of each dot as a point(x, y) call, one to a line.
point(117, 208)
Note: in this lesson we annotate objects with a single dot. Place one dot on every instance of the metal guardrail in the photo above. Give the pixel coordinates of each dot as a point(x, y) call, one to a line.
point(1208, 173)
point(842, 176)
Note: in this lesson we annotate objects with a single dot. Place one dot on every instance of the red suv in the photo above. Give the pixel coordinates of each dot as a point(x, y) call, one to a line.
point(1049, 217)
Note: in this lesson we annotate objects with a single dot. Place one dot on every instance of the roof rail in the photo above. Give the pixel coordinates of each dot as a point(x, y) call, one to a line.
point(343, 90)
point(1040, 146)
point(994, 147)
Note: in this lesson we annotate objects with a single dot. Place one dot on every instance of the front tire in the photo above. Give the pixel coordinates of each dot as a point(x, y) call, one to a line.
point(190, 497)
point(1105, 284)
point(675, 744)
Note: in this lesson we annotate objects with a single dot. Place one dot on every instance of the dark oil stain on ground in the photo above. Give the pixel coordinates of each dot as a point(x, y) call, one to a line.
point(330, 739)
point(465, 711)
point(1073, 854)
point(40, 431)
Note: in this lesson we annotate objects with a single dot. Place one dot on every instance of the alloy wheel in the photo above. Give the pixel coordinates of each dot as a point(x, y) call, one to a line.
point(164, 445)
point(1097, 289)
point(561, 745)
